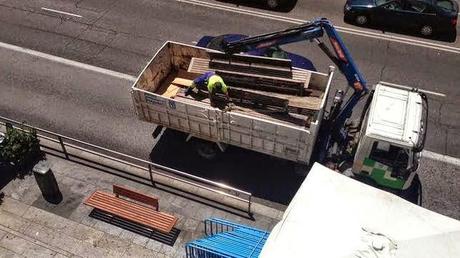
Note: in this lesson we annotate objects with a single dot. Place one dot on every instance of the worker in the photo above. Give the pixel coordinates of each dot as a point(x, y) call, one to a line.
point(211, 82)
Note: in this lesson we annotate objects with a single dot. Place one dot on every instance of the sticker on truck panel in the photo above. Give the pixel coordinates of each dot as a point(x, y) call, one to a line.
point(154, 100)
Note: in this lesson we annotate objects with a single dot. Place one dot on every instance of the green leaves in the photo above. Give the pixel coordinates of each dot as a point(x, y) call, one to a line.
point(20, 147)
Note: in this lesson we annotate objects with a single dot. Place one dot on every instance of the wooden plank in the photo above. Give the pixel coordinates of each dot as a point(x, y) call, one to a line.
point(248, 68)
point(252, 59)
point(182, 82)
point(265, 83)
point(244, 97)
point(123, 191)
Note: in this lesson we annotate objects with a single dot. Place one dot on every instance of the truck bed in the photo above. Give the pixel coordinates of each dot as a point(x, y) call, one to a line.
point(288, 132)
point(177, 82)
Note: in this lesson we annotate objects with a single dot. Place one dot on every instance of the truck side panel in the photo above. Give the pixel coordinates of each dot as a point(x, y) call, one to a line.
point(266, 136)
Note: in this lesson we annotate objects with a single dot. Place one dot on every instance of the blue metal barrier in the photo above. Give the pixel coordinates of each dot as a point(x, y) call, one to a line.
point(227, 239)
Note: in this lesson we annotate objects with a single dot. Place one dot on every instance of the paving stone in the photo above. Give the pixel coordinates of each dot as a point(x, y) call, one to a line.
point(138, 251)
point(107, 228)
point(170, 251)
point(80, 213)
point(2, 234)
point(76, 246)
point(85, 233)
point(48, 219)
point(88, 221)
point(127, 235)
point(13, 243)
point(34, 251)
point(13, 221)
point(13, 206)
point(180, 253)
point(140, 240)
point(8, 253)
point(114, 245)
point(58, 255)
point(154, 246)
point(39, 232)
point(24, 190)
point(190, 224)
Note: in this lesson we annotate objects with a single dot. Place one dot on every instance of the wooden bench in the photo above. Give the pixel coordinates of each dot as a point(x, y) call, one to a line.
point(143, 209)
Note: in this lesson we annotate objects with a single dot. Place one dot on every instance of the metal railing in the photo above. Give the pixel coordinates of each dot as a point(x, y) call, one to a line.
point(64, 141)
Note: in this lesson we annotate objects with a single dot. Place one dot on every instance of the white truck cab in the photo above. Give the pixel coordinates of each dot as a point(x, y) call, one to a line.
point(392, 137)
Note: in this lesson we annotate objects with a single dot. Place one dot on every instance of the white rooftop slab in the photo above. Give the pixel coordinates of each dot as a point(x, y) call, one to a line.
point(335, 216)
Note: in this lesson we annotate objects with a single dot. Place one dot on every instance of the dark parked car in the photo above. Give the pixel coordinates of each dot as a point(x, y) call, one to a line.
point(274, 4)
point(427, 17)
point(276, 52)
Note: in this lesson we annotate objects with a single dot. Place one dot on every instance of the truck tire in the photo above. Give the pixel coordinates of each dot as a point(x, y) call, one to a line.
point(300, 169)
point(205, 149)
point(413, 194)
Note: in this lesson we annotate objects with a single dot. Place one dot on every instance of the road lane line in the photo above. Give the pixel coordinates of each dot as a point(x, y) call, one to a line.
point(69, 62)
point(363, 33)
point(440, 157)
point(409, 88)
point(61, 12)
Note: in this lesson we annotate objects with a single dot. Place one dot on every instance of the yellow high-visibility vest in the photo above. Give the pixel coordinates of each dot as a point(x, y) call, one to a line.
point(212, 81)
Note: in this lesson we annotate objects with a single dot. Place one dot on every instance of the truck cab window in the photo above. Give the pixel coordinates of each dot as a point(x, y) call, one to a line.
point(389, 155)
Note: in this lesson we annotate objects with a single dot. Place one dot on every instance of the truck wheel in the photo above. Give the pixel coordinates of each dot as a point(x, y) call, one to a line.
point(300, 169)
point(206, 150)
point(414, 193)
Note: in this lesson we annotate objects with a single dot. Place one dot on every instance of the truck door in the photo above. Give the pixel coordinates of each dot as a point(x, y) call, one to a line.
point(387, 164)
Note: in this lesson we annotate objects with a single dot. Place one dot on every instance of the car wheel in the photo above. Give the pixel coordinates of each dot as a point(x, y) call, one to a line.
point(361, 19)
point(426, 30)
point(273, 4)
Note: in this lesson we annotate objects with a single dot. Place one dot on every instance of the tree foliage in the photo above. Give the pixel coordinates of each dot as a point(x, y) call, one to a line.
point(20, 147)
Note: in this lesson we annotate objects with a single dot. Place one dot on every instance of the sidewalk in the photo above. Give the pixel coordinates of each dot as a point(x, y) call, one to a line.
point(32, 227)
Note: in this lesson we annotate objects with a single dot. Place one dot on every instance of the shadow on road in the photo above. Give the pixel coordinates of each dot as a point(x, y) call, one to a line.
point(261, 4)
point(262, 175)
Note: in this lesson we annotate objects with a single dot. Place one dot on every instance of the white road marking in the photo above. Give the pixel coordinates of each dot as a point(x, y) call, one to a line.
point(68, 62)
point(440, 157)
point(61, 12)
point(409, 88)
point(402, 40)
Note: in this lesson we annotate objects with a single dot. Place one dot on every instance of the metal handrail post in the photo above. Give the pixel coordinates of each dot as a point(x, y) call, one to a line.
point(151, 176)
point(63, 147)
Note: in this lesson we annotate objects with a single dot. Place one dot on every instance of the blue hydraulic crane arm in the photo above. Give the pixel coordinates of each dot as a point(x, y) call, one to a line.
point(308, 31)
point(334, 130)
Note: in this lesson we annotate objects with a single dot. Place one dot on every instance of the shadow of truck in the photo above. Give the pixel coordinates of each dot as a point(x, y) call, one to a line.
point(264, 176)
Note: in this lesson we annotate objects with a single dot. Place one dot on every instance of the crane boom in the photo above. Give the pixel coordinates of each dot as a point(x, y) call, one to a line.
point(312, 31)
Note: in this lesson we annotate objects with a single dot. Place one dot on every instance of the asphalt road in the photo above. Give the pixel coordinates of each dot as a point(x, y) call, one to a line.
point(332, 9)
point(123, 35)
